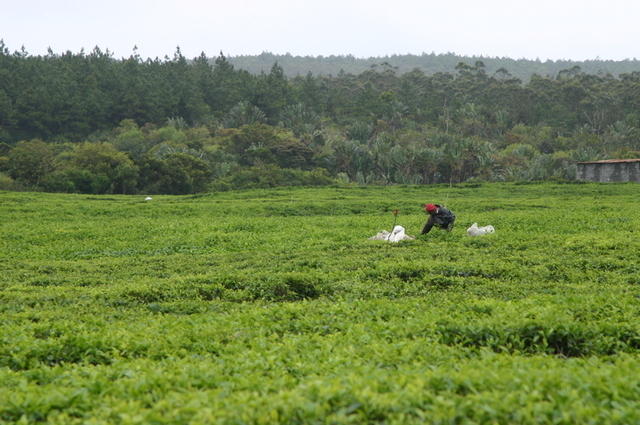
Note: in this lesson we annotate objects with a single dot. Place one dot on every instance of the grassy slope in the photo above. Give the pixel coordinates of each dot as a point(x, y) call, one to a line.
point(272, 306)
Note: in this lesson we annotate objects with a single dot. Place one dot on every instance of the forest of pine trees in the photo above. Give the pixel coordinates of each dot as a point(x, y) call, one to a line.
point(91, 123)
point(429, 63)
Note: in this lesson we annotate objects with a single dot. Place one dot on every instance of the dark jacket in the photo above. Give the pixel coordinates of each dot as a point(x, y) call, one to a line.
point(442, 218)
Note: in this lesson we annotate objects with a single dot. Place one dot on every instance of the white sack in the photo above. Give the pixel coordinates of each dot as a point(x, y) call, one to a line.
point(397, 235)
point(381, 236)
point(474, 230)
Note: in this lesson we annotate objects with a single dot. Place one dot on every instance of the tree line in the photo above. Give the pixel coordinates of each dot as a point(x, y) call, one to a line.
point(90, 123)
point(429, 63)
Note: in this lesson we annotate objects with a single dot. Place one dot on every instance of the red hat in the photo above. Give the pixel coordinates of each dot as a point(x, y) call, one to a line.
point(430, 207)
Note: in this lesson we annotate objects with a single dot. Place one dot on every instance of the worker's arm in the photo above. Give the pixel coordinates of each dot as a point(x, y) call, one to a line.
point(428, 225)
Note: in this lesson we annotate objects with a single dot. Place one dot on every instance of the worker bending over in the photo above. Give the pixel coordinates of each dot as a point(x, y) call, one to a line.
point(438, 216)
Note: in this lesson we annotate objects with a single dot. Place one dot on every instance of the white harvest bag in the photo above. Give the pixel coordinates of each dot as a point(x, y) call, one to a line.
point(396, 235)
point(474, 230)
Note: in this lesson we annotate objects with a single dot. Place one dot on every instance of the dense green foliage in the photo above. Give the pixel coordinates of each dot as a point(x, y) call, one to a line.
point(272, 306)
point(90, 123)
point(429, 63)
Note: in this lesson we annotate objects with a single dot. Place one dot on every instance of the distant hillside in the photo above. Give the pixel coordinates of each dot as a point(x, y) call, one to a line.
point(428, 63)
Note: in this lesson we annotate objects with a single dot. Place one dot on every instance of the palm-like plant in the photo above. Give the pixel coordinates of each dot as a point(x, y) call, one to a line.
point(244, 113)
point(300, 119)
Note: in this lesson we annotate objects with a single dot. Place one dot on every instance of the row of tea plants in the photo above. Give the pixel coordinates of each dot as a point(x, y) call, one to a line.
point(273, 306)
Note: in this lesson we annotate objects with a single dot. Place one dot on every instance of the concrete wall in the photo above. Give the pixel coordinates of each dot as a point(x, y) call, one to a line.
point(610, 172)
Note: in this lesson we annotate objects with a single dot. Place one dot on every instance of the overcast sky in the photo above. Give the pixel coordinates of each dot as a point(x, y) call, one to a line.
point(544, 29)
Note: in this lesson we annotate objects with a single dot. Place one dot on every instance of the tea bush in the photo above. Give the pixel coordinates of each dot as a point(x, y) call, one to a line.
point(272, 306)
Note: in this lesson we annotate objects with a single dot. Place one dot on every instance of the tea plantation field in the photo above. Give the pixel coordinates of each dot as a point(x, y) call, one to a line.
point(273, 307)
